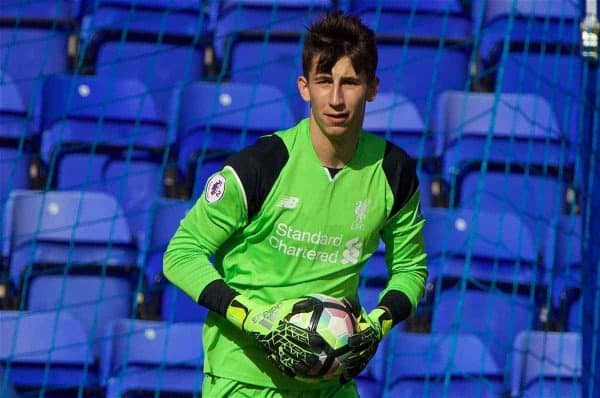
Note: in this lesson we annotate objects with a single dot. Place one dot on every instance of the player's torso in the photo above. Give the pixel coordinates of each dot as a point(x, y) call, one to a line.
point(313, 233)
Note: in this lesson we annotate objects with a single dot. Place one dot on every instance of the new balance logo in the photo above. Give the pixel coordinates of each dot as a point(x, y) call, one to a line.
point(288, 202)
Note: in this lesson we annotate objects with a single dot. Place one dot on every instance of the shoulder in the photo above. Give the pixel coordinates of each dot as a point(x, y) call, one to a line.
point(257, 167)
point(401, 173)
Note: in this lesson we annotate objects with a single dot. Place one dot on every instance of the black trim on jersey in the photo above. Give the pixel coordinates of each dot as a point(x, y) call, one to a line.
point(333, 171)
point(217, 296)
point(398, 304)
point(258, 166)
point(401, 173)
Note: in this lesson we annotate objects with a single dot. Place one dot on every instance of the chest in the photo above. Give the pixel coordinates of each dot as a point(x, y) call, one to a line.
point(306, 203)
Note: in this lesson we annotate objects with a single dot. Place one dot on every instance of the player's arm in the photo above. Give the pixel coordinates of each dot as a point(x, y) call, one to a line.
point(405, 258)
point(230, 198)
point(216, 215)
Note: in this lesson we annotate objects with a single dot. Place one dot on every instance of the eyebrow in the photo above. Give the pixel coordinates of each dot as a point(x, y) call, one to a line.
point(344, 79)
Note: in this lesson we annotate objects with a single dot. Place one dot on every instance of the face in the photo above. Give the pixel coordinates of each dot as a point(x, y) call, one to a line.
point(337, 99)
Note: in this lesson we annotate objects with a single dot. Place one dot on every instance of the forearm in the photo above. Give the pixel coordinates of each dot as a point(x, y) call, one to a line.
point(405, 254)
point(187, 266)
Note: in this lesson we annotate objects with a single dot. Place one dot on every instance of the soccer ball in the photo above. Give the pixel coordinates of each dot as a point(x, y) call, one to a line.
point(333, 320)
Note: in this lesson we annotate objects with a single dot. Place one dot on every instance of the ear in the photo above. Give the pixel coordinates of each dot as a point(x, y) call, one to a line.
point(303, 88)
point(372, 89)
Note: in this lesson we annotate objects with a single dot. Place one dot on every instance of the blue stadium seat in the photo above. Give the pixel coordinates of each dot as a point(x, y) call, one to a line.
point(108, 134)
point(494, 316)
point(161, 42)
point(481, 245)
point(45, 351)
point(34, 39)
point(152, 356)
point(504, 153)
point(260, 41)
point(16, 138)
point(395, 118)
point(71, 250)
point(441, 365)
point(175, 306)
point(546, 364)
point(424, 46)
point(225, 117)
point(542, 54)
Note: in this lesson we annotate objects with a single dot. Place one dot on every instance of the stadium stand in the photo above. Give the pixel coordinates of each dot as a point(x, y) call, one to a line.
point(495, 316)
point(218, 118)
point(546, 365)
point(259, 41)
point(504, 152)
point(117, 111)
point(71, 251)
point(441, 365)
point(162, 43)
point(35, 37)
point(415, 39)
point(144, 356)
point(530, 47)
point(54, 362)
point(105, 134)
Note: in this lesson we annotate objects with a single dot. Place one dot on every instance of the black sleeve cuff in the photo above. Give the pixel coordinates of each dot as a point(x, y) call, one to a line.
point(398, 304)
point(217, 296)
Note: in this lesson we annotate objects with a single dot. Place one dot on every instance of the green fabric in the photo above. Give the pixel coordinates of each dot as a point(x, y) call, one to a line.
point(313, 234)
point(217, 387)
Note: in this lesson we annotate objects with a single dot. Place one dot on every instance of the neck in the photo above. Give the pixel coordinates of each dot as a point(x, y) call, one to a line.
point(334, 152)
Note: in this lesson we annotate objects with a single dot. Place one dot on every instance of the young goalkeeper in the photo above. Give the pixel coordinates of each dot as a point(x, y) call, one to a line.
point(300, 212)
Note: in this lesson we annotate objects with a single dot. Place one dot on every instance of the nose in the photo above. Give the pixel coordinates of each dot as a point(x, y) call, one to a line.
point(336, 97)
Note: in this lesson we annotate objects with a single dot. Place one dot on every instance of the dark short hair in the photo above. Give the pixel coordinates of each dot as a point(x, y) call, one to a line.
point(337, 35)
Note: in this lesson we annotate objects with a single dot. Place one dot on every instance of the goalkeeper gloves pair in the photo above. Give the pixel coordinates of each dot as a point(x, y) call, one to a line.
point(287, 346)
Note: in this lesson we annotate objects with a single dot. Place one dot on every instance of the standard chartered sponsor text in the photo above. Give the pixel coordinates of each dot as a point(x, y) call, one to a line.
point(286, 238)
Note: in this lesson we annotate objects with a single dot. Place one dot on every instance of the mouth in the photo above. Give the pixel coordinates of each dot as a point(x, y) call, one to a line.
point(336, 118)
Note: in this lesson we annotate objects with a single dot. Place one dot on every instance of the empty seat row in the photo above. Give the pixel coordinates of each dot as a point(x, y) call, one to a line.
point(111, 134)
point(424, 48)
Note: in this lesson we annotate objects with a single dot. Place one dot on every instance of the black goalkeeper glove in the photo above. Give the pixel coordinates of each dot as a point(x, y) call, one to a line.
point(363, 344)
point(288, 347)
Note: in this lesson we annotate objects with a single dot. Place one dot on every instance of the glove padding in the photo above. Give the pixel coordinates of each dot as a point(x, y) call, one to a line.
point(288, 347)
point(363, 344)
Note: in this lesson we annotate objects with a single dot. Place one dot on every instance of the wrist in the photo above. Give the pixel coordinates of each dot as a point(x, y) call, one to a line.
point(238, 310)
point(381, 316)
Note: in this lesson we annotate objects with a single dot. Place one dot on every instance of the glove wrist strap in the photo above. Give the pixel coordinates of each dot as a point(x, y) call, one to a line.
point(237, 311)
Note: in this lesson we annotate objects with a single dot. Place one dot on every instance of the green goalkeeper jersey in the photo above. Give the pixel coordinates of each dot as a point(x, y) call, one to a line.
point(279, 226)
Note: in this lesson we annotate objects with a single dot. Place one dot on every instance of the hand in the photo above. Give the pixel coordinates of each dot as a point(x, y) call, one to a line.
point(363, 345)
point(288, 347)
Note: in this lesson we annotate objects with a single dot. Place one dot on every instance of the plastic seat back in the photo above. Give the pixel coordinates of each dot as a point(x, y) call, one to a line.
point(149, 355)
point(161, 43)
point(546, 363)
point(449, 365)
point(495, 317)
point(228, 116)
point(482, 245)
point(58, 357)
